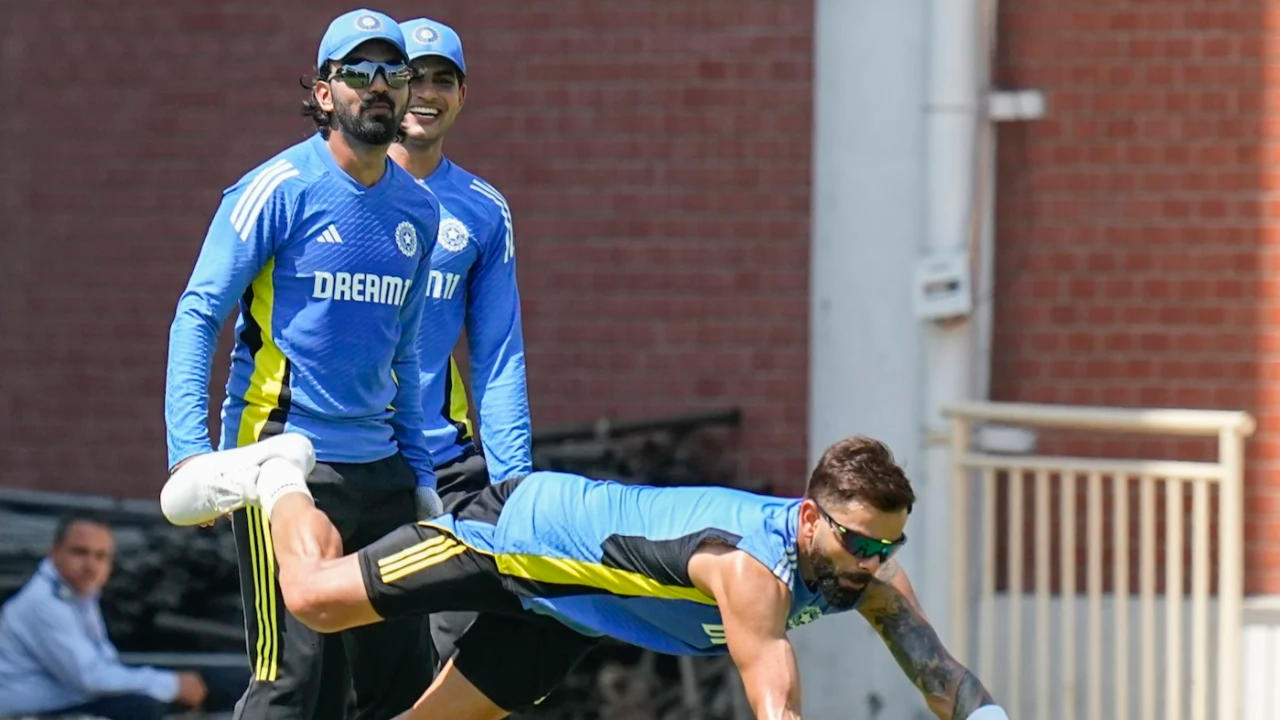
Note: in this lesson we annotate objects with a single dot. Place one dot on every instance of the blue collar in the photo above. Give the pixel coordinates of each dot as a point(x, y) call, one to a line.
point(61, 589)
point(441, 170)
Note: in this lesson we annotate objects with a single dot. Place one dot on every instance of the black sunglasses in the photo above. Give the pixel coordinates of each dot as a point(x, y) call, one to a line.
point(860, 545)
point(359, 75)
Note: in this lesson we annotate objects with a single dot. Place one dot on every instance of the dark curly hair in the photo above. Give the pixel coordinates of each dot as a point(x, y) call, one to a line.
point(860, 469)
point(310, 107)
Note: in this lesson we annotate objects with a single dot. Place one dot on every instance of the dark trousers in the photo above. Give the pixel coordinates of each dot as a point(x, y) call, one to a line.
point(224, 686)
point(367, 673)
point(120, 707)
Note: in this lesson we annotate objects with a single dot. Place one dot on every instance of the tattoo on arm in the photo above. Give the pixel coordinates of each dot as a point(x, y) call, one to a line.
point(888, 571)
point(950, 689)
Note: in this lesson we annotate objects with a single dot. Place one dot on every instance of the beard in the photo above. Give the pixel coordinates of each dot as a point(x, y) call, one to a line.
point(368, 129)
point(827, 581)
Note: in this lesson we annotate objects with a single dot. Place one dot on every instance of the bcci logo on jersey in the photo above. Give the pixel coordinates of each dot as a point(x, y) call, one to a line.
point(407, 239)
point(453, 235)
point(804, 617)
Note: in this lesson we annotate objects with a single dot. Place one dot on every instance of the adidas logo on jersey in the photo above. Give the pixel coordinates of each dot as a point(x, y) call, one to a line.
point(330, 235)
point(360, 287)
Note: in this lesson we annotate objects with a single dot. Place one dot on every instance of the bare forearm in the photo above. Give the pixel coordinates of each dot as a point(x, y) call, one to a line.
point(774, 692)
point(753, 603)
point(772, 708)
point(950, 689)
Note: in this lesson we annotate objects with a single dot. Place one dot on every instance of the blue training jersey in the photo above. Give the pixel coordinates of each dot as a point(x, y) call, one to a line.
point(331, 280)
point(473, 280)
point(611, 559)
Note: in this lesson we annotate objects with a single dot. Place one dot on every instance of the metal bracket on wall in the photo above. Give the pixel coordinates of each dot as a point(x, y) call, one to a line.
point(1016, 105)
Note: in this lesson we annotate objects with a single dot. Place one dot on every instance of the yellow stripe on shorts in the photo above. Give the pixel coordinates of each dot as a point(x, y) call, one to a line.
point(412, 549)
point(418, 557)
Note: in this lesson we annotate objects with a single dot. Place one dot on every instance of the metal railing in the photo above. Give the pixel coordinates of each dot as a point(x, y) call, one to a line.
point(1171, 683)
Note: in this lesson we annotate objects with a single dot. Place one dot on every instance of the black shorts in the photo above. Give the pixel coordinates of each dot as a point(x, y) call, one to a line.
point(421, 569)
point(455, 481)
point(462, 476)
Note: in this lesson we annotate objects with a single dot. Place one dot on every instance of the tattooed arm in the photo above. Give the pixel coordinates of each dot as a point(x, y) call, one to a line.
point(951, 691)
point(892, 573)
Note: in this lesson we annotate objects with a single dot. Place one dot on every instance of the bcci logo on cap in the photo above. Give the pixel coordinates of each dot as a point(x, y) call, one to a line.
point(407, 239)
point(368, 23)
point(426, 34)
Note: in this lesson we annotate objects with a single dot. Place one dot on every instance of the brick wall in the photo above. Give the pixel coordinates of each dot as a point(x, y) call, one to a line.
point(1137, 223)
point(655, 156)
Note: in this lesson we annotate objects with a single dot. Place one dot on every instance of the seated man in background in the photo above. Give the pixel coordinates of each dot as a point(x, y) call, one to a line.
point(55, 656)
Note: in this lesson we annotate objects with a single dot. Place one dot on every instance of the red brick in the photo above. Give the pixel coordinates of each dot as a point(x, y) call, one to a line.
point(1165, 107)
point(675, 191)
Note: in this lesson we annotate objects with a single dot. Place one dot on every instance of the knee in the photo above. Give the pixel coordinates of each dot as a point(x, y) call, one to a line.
point(312, 605)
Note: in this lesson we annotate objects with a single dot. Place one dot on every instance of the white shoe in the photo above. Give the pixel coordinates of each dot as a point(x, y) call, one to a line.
point(207, 487)
point(217, 483)
point(291, 446)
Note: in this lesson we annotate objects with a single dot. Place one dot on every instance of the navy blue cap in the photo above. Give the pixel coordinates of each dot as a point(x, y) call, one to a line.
point(425, 37)
point(349, 30)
